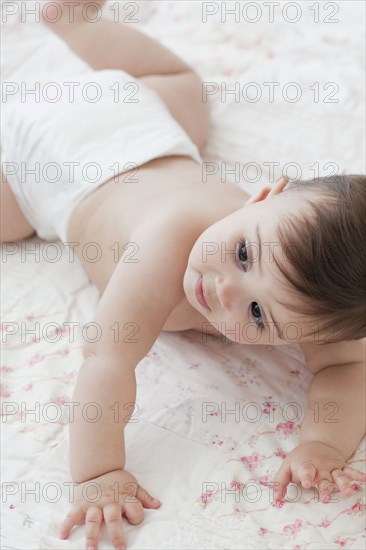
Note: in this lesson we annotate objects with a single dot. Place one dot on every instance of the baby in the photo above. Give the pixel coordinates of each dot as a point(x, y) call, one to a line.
point(182, 252)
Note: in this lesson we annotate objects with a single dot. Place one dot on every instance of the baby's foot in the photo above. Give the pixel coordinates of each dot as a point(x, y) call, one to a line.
point(62, 17)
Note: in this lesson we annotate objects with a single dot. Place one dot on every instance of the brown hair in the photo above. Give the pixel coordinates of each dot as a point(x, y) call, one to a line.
point(327, 257)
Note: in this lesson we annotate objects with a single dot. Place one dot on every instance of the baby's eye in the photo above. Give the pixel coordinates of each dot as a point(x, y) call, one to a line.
point(256, 313)
point(243, 255)
point(255, 310)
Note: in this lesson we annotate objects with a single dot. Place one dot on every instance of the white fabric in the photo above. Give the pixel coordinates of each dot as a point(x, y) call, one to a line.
point(171, 450)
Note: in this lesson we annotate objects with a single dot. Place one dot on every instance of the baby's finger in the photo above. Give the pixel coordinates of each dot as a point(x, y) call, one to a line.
point(354, 474)
point(259, 196)
point(278, 185)
point(307, 475)
point(343, 482)
point(282, 478)
point(146, 499)
point(113, 519)
point(134, 512)
point(74, 517)
point(326, 486)
point(93, 521)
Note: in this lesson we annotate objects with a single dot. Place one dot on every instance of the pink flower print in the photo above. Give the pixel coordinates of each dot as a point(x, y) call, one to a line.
point(356, 487)
point(60, 400)
point(268, 406)
point(281, 454)
point(58, 331)
point(358, 507)
point(28, 387)
point(263, 531)
point(35, 359)
point(288, 428)
point(279, 503)
point(11, 506)
point(235, 484)
point(64, 352)
point(6, 369)
point(325, 523)
point(4, 392)
point(207, 497)
point(264, 480)
point(342, 542)
point(252, 439)
point(293, 528)
point(252, 460)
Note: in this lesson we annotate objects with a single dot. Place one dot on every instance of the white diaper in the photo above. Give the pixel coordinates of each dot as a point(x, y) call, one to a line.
point(79, 133)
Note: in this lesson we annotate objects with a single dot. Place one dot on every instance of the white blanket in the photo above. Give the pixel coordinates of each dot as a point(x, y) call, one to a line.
point(209, 467)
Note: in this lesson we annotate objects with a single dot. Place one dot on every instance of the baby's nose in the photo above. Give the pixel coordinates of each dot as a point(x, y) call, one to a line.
point(225, 292)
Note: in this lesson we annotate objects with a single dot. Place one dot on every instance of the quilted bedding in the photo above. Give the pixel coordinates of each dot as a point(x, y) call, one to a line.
point(214, 419)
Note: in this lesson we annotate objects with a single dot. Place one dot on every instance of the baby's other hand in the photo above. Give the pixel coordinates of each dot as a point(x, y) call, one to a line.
point(106, 498)
point(277, 188)
point(316, 464)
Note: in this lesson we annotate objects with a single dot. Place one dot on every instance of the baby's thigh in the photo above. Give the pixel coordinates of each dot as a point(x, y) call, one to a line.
point(182, 94)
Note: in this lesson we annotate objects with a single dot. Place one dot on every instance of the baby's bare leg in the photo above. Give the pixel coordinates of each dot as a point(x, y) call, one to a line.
point(109, 45)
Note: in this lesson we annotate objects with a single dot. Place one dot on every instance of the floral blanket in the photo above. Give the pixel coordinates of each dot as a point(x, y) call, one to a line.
point(213, 419)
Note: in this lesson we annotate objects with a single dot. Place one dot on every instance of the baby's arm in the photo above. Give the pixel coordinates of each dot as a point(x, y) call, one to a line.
point(334, 422)
point(336, 399)
point(137, 300)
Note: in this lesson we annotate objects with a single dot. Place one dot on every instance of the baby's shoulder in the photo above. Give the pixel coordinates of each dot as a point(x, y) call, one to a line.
point(320, 356)
point(168, 226)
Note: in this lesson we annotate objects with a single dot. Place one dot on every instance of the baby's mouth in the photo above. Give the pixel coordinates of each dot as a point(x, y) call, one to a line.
point(200, 294)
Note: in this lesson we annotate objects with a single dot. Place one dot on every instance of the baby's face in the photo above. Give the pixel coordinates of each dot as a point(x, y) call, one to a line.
point(241, 282)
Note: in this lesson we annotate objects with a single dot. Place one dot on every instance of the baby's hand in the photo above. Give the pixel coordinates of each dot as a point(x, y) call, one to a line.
point(315, 464)
point(107, 497)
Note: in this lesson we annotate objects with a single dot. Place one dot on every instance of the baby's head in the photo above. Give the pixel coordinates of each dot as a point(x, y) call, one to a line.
point(294, 261)
point(328, 268)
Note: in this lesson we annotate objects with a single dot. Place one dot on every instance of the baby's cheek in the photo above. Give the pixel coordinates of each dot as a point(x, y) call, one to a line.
point(235, 331)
